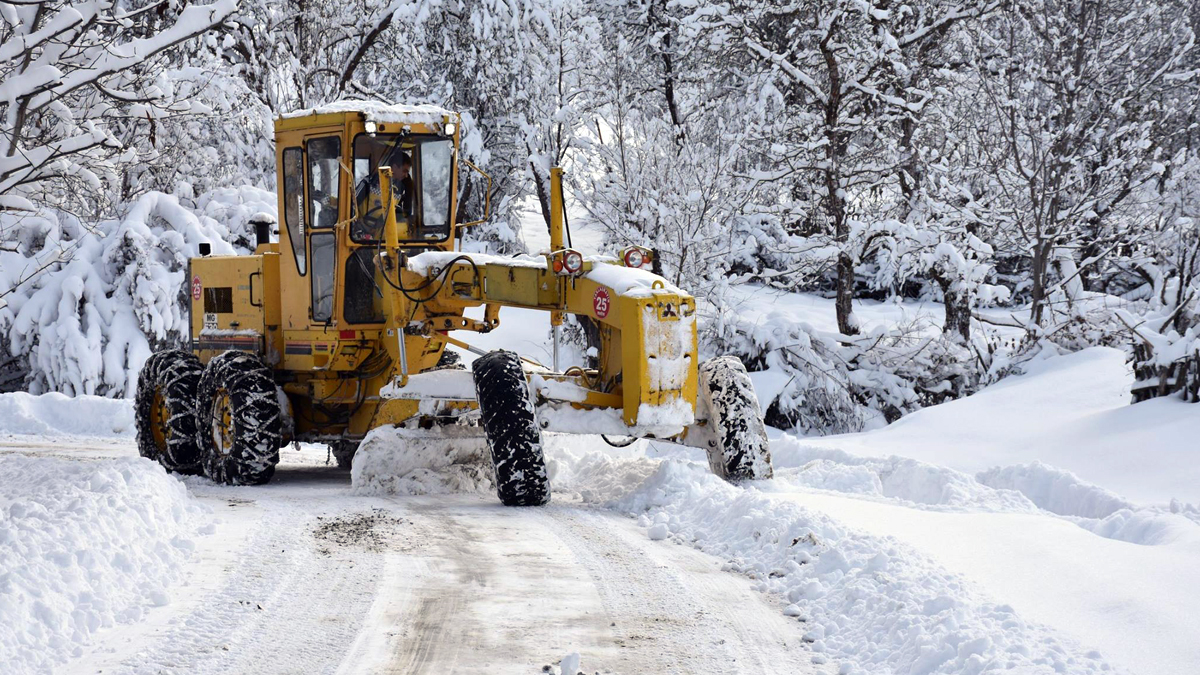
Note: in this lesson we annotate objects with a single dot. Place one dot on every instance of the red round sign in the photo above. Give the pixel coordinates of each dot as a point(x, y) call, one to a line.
point(196, 287)
point(601, 302)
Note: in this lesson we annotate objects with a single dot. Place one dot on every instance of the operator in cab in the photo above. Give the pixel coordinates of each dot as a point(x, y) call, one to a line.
point(370, 198)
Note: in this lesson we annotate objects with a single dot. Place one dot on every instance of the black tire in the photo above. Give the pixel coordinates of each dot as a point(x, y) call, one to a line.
point(449, 360)
point(343, 453)
point(238, 420)
point(739, 450)
point(513, 436)
point(165, 407)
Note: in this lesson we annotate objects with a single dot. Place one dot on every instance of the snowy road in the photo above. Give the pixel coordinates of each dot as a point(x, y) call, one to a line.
point(302, 577)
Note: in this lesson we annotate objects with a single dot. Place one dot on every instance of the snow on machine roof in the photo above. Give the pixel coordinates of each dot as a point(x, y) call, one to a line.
point(375, 111)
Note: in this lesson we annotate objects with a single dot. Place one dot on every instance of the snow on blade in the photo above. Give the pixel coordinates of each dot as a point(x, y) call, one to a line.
point(85, 546)
point(418, 461)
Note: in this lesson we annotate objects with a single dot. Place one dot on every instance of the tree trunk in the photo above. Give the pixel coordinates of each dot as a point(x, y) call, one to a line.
point(958, 311)
point(541, 183)
point(835, 205)
point(1037, 292)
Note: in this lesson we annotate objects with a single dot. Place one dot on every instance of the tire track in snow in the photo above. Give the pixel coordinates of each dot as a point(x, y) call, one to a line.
point(286, 606)
point(673, 609)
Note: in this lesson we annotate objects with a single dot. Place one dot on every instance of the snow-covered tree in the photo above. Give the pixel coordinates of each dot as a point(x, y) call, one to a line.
point(1075, 92)
point(74, 78)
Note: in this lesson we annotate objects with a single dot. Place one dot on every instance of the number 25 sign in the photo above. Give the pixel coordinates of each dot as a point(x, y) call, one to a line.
point(601, 302)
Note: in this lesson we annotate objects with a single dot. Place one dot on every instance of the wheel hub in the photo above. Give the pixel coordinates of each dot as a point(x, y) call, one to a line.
point(159, 416)
point(222, 423)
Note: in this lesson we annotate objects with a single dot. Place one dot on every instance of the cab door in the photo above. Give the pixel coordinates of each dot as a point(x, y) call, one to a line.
point(323, 153)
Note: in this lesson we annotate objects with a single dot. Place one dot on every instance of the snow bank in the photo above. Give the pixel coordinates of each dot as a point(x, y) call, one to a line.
point(419, 462)
point(1150, 527)
point(1071, 412)
point(84, 546)
point(60, 415)
point(1055, 490)
point(899, 479)
point(867, 603)
point(1027, 488)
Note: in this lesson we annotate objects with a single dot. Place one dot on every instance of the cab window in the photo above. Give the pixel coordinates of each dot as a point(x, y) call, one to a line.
point(293, 204)
point(435, 189)
point(421, 173)
point(324, 266)
point(324, 155)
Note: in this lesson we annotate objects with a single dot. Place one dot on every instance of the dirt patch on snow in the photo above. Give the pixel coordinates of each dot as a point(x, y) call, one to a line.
point(370, 531)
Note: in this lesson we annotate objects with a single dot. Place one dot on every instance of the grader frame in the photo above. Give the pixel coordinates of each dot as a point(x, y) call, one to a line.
point(351, 320)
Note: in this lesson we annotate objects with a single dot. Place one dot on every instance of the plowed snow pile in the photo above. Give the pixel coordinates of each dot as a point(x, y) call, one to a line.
point(420, 462)
point(84, 546)
point(867, 604)
point(60, 415)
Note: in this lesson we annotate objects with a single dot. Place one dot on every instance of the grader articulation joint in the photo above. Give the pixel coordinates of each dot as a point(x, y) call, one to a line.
point(342, 326)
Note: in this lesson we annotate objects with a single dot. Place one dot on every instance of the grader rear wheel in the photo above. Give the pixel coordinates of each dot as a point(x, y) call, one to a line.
point(740, 450)
point(239, 420)
point(164, 405)
point(513, 436)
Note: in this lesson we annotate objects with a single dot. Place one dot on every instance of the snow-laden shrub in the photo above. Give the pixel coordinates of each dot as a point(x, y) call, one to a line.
point(839, 384)
point(85, 304)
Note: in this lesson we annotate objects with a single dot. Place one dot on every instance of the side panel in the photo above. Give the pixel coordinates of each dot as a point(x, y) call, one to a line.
point(227, 310)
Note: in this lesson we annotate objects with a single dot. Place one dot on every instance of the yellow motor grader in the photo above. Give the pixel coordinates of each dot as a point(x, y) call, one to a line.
point(342, 325)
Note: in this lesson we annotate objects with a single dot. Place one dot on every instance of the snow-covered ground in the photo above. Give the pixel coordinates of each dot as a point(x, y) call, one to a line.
point(1071, 412)
point(1002, 531)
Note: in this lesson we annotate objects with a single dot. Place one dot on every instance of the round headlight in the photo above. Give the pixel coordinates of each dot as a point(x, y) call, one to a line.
point(634, 258)
point(450, 128)
point(573, 262)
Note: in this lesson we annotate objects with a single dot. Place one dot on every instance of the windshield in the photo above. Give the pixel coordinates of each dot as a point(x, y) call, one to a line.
point(421, 172)
point(435, 189)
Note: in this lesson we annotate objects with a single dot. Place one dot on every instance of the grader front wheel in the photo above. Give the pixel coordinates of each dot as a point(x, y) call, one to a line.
point(739, 450)
point(513, 436)
point(239, 420)
point(164, 404)
point(343, 453)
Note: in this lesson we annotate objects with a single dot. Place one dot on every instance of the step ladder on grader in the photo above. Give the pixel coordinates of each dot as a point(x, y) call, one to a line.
point(342, 325)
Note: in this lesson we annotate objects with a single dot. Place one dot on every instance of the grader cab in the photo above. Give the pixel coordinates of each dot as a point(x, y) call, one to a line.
point(342, 325)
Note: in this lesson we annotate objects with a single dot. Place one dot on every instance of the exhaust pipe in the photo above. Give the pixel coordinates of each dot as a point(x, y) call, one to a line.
point(263, 224)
